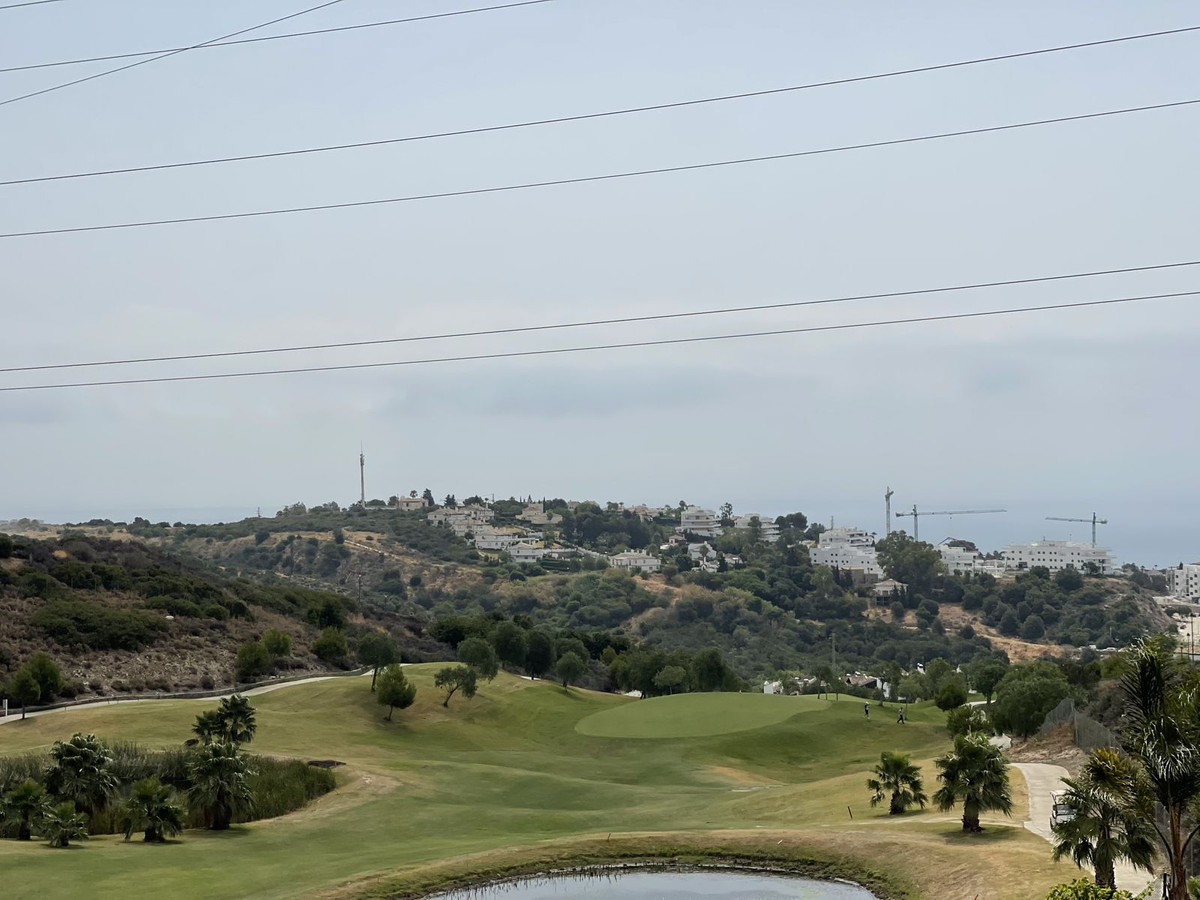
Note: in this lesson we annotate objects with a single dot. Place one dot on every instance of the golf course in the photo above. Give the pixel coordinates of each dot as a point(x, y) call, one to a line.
point(526, 777)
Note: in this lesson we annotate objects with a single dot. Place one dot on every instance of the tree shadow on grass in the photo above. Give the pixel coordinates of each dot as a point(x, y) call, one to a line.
point(991, 834)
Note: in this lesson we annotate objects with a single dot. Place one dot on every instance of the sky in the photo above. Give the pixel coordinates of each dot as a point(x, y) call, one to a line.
point(1059, 413)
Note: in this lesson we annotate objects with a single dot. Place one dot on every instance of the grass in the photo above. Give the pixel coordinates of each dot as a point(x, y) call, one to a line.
point(694, 715)
point(507, 783)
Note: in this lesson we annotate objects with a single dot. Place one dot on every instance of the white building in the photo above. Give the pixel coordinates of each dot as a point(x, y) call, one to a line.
point(535, 513)
point(1184, 582)
point(696, 520)
point(461, 519)
point(770, 531)
point(487, 537)
point(526, 552)
point(847, 548)
point(634, 559)
point(958, 560)
point(408, 504)
point(1056, 555)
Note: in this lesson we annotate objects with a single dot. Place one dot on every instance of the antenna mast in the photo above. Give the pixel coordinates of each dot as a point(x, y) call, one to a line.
point(887, 501)
point(362, 476)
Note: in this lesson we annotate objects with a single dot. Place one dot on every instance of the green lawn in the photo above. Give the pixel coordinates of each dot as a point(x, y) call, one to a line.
point(513, 777)
point(694, 715)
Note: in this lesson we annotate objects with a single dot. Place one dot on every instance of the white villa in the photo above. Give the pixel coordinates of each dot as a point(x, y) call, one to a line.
point(1055, 555)
point(696, 520)
point(634, 560)
point(770, 531)
point(847, 548)
point(408, 504)
point(461, 519)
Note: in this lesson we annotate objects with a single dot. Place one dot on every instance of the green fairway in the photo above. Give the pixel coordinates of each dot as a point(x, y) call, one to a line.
point(694, 715)
point(507, 779)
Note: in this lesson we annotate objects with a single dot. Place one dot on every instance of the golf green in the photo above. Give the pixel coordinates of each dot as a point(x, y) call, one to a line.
point(693, 715)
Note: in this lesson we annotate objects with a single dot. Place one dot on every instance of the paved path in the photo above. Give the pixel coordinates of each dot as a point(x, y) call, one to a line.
point(1042, 780)
point(15, 715)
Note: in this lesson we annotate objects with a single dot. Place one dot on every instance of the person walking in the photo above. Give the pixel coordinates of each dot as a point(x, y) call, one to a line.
point(900, 718)
point(866, 710)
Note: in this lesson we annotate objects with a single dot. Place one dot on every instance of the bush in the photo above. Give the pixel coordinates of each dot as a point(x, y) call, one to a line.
point(253, 659)
point(951, 696)
point(79, 623)
point(1086, 890)
point(330, 647)
point(966, 719)
point(207, 682)
point(278, 643)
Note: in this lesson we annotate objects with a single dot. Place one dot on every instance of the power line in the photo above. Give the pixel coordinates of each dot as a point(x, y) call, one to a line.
point(281, 37)
point(28, 3)
point(812, 329)
point(125, 68)
point(624, 320)
point(694, 167)
point(558, 120)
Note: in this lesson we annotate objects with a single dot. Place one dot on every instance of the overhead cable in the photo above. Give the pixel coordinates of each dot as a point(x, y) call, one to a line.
point(623, 320)
point(586, 179)
point(582, 117)
point(516, 354)
point(314, 32)
point(125, 68)
point(27, 3)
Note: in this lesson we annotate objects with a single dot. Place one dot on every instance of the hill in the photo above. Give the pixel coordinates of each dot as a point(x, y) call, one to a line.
point(508, 782)
point(120, 616)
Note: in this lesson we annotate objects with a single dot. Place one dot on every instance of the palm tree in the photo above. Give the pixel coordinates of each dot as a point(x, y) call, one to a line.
point(26, 804)
point(1114, 815)
point(1162, 733)
point(82, 772)
point(897, 774)
point(208, 726)
point(237, 720)
point(218, 784)
point(150, 809)
point(63, 824)
point(974, 773)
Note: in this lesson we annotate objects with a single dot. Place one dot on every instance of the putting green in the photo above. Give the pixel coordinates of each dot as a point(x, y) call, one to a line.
point(692, 715)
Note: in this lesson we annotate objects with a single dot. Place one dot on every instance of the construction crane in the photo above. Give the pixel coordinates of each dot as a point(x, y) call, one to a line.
point(916, 515)
point(1093, 520)
point(887, 502)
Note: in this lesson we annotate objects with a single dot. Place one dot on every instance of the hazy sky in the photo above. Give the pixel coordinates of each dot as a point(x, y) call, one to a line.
point(1057, 413)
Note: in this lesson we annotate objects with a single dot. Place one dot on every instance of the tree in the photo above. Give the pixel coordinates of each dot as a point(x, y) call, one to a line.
point(1068, 579)
point(571, 667)
point(377, 649)
point(1026, 694)
point(966, 719)
point(24, 689)
point(985, 674)
point(975, 774)
point(47, 674)
point(668, 680)
point(913, 687)
point(1033, 629)
point(25, 804)
point(456, 678)
point(480, 656)
point(331, 646)
point(236, 718)
point(1085, 890)
point(217, 775)
point(1114, 817)
point(427, 496)
point(1162, 734)
point(151, 809)
point(896, 775)
point(207, 727)
point(539, 653)
point(898, 611)
point(1010, 625)
point(6, 546)
point(510, 643)
point(278, 643)
point(63, 824)
point(915, 563)
point(450, 502)
point(82, 772)
point(395, 690)
point(709, 672)
point(952, 695)
point(253, 660)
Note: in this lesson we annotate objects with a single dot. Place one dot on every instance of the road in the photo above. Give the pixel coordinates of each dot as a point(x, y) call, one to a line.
point(15, 715)
point(1042, 780)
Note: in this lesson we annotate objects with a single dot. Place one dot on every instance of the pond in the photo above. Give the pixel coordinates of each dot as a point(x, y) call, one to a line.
point(652, 885)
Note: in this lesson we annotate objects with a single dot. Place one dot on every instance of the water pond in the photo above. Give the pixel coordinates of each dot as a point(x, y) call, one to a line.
point(651, 885)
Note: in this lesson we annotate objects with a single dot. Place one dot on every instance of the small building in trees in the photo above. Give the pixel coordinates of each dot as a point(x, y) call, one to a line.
point(634, 560)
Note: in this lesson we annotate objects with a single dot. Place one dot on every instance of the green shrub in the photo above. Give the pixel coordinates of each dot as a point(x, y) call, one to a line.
point(176, 606)
point(331, 646)
point(253, 659)
point(97, 627)
point(278, 643)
